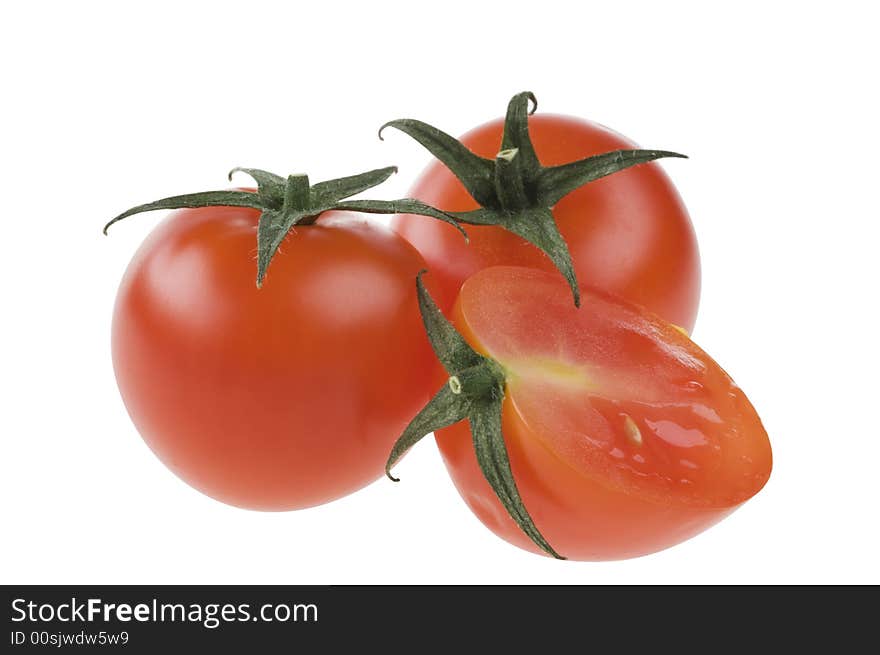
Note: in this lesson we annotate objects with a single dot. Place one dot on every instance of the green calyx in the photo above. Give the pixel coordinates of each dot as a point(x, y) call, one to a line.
point(292, 201)
point(475, 391)
point(515, 192)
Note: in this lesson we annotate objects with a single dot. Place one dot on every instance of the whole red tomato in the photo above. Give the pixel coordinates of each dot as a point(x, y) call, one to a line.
point(594, 433)
point(279, 397)
point(628, 233)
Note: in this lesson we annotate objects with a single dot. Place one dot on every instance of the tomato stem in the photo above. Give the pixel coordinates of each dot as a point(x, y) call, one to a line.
point(296, 196)
point(479, 380)
point(474, 391)
point(509, 182)
point(286, 202)
point(514, 191)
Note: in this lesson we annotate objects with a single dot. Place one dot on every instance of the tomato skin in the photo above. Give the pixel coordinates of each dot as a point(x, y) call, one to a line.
point(593, 493)
point(276, 398)
point(581, 518)
point(628, 233)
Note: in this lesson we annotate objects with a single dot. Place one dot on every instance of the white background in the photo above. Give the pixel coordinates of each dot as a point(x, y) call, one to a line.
point(106, 105)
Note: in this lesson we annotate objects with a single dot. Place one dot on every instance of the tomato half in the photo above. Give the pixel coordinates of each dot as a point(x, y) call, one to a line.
point(628, 233)
point(275, 398)
point(623, 436)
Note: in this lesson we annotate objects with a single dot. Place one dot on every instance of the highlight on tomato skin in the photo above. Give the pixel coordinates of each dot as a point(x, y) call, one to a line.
point(624, 437)
point(629, 233)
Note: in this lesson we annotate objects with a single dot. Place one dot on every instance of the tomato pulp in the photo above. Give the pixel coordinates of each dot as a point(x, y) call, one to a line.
point(624, 437)
point(628, 233)
point(281, 397)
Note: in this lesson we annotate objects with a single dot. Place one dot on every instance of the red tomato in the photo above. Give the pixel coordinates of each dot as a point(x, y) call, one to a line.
point(628, 233)
point(282, 397)
point(624, 437)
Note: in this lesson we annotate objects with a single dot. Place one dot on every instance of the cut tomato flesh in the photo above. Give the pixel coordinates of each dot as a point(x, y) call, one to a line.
point(615, 393)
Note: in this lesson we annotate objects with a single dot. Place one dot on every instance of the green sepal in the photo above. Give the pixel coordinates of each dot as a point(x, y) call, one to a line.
point(516, 132)
point(229, 198)
point(286, 202)
point(269, 185)
point(345, 187)
point(514, 187)
point(556, 182)
point(538, 227)
point(402, 206)
point(443, 410)
point(491, 451)
point(475, 172)
point(450, 347)
point(272, 229)
point(475, 390)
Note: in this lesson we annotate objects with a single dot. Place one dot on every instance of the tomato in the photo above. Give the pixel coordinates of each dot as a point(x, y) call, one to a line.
point(281, 397)
point(628, 233)
point(623, 436)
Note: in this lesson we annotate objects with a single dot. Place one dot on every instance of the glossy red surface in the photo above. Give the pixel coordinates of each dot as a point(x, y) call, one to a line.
point(282, 397)
point(624, 436)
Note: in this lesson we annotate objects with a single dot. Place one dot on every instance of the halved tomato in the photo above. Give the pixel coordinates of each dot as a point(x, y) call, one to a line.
point(623, 436)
